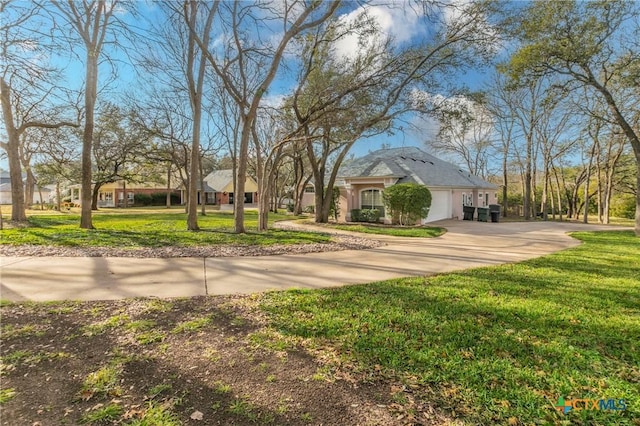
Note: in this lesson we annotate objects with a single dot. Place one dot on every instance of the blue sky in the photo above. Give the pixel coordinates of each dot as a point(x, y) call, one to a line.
point(394, 21)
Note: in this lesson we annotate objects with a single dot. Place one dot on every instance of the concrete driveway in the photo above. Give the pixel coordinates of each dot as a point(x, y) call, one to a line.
point(465, 245)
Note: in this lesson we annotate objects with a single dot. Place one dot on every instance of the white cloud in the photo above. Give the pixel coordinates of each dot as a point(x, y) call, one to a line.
point(393, 21)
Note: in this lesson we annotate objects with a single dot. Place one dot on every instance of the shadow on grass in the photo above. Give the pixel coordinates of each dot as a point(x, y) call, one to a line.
point(524, 333)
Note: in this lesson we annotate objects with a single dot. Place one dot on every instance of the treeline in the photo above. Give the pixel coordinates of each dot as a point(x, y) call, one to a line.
point(282, 90)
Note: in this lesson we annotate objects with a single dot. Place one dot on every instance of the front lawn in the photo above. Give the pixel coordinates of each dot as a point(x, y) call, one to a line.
point(495, 345)
point(498, 345)
point(395, 231)
point(141, 229)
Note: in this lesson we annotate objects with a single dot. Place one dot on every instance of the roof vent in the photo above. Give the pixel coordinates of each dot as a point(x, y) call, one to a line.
point(403, 158)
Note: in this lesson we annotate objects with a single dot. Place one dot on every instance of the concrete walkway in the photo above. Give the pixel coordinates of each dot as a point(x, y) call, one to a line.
point(465, 245)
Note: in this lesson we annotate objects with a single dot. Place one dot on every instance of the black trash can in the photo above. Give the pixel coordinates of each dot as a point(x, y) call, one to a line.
point(483, 214)
point(494, 210)
point(468, 212)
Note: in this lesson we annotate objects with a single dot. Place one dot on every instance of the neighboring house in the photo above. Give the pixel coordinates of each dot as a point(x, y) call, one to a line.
point(219, 190)
point(116, 194)
point(5, 191)
point(363, 180)
point(5, 177)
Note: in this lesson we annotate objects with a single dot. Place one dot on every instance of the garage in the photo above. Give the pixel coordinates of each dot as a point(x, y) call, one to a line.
point(440, 206)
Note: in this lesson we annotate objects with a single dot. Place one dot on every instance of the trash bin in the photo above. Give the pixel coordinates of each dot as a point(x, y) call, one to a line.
point(483, 214)
point(468, 212)
point(494, 210)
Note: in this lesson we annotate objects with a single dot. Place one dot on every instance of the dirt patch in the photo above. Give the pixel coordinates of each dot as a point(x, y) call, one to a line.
point(205, 360)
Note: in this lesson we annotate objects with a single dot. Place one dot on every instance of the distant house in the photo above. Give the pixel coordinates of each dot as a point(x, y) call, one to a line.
point(363, 180)
point(219, 190)
point(40, 194)
point(120, 194)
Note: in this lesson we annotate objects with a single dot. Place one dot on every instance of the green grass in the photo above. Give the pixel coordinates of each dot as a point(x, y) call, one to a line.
point(494, 345)
point(7, 395)
point(150, 230)
point(157, 414)
point(192, 325)
point(103, 415)
point(395, 231)
point(102, 382)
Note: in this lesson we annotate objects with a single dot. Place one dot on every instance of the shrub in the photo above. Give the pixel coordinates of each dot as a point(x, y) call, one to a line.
point(624, 206)
point(407, 202)
point(356, 215)
point(369, 215)
point(142, 200)
point(310, 209)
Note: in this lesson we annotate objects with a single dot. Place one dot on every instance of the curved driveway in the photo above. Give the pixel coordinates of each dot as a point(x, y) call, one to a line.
point(465, 245)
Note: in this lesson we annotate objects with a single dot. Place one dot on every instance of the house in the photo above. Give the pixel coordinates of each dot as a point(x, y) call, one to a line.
point(219, 190)
point(116, 194)
point(41, 194)
point(363, 180)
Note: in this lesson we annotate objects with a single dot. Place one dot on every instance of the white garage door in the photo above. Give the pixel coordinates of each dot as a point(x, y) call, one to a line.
point(440, 206)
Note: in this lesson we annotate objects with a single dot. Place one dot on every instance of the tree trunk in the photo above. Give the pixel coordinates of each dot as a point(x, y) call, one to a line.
point(505, 178)
point(545, 191)
point(125, 199)
point(192, 199)
point(168, 200)
point(637, 228)
point(241, 177)
point(58, 197)
point(90, 96)
point(29, 185)
point(203, 192)
point(94, 196)
point(12, 146)
point(631, 135)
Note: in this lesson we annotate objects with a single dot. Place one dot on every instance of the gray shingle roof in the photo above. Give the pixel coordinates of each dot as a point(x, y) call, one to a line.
point(219, 179)
point(411, 165)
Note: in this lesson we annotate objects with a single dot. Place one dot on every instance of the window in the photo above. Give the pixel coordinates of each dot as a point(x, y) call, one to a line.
point(248, 197)
point(108, 196)
point(372, 199)
point(309, 189)
point(130, 196)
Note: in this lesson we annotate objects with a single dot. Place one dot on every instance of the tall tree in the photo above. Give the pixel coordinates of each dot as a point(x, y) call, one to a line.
point(595, 45)
point(342, 98)
point(247, 66)
point(27, 88)
point(117, 146)
point(91, 21)
point(466, 125)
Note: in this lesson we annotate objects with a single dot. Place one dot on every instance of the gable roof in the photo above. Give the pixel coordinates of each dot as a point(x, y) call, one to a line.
point(218, 180)
point(411, 165)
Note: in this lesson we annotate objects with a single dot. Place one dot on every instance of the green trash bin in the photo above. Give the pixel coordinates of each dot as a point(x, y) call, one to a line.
point(483, 214)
